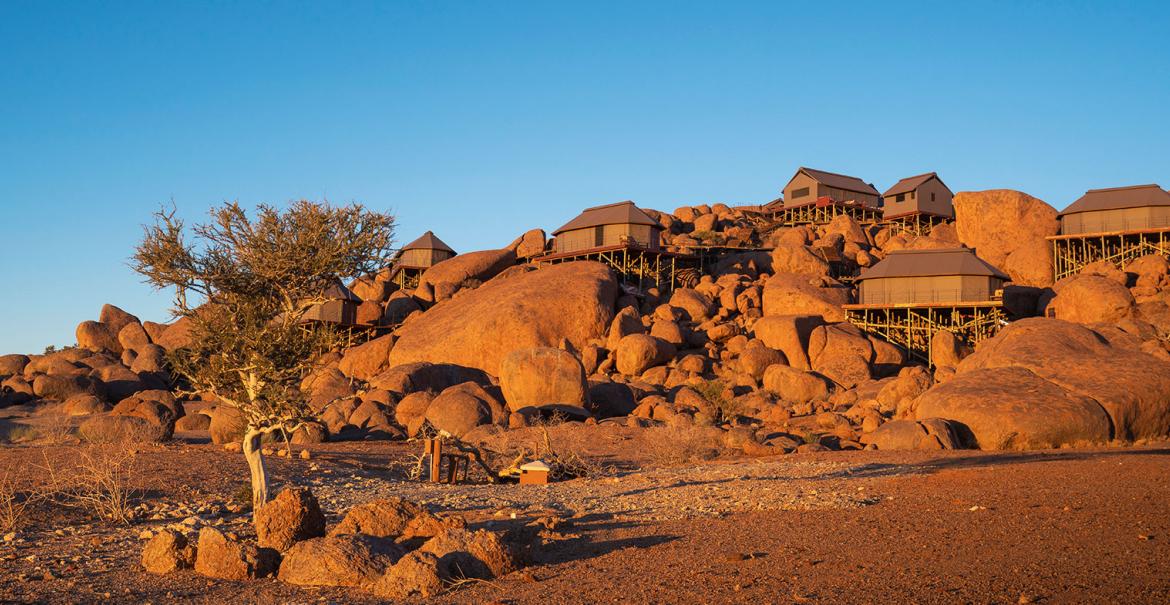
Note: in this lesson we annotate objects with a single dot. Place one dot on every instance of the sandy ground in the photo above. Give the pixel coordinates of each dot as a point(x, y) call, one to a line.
point(1068, 526)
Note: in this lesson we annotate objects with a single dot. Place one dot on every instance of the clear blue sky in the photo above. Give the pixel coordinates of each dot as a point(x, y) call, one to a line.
point(481, 120)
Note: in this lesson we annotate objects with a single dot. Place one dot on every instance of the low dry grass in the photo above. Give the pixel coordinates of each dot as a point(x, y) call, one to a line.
point(674, 445)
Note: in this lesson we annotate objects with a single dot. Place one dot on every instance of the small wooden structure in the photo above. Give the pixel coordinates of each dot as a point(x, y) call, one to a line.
point(816, 197)
point(625, 238)
point(911, 295)
point(416, 257)
point(340, 307)
point(1117, 225)
point(444, 467)
point(916, 204)
point(534, 473)
point(609, 225)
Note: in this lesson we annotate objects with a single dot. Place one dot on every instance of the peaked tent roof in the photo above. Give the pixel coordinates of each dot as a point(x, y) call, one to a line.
point(610, 214)
point(1118, 198)
point(338, 291)
point(839, 181)
point(911, 183)
point(427, 241)
point(931, 263)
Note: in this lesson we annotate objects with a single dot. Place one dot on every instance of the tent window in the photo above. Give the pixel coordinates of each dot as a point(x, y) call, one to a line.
point(599, 235)
point(798, 193)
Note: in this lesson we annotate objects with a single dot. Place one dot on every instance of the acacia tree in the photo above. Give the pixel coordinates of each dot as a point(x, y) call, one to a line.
point(244, 285)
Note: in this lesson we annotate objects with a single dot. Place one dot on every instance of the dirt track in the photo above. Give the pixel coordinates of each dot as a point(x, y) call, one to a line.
point(1053, 527)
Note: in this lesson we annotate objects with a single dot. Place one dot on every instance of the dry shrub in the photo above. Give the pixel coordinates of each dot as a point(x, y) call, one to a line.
point(681, 444)
point(100, 477)
point(16, 499)
point(560, 444)
point(56, 429)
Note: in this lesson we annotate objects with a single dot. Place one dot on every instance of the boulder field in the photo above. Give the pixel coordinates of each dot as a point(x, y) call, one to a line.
point(757, 347)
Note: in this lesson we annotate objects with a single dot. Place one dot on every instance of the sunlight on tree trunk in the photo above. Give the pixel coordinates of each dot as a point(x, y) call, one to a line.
point(255, 458)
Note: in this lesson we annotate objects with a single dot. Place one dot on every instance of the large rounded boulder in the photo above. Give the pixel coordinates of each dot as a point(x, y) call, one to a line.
point(542, 376)
point(1008, 228)
point(479, 328)
point(794, 294)
point(1065, 366)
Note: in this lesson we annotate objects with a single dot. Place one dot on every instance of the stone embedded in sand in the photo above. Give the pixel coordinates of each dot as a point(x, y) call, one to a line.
point(479, 554)
point(572, 301)
point(166, 552)
point(293, 515)
point(1013, 408)
point(540, 376)
point(1104, 364)
point(418, 574)
point(338, 560)
point(221, 556)
point(926, 434)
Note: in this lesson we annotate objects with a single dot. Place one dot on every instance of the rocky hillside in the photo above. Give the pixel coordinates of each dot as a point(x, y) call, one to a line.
point(758, 347)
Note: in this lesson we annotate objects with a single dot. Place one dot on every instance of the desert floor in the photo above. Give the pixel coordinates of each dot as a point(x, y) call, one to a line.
point(1067, 526)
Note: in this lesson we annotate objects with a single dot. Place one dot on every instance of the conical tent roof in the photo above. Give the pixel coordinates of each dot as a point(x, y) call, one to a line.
point(931, 263)
point(428, 241)
point(621, 213)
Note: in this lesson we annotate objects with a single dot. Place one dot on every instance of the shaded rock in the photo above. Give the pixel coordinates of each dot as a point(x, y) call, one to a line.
point(293, 515)
point(929, 434)
point(609, 399)
point(946, 350)
point(118, 429)
point(756, 358)
point(193, 422)
point(166, 552)
point(12, 364)
point(572, 301)
point(457, 412)
point(84, 405)
point(226, 558)
point(413, 407)
point(625, 322)
point(479, 554)
point(698, 308)
point(398, 308)
point(842, 353)
point(788, 334)
point(426, 376)
point(341, 560)
point(417, 574)
point(540, 376)
point(62, 388)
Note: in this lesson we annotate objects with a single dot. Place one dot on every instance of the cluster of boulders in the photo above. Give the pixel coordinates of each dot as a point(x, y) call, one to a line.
point(116, 376)
point(393, 548)
point(759, 346)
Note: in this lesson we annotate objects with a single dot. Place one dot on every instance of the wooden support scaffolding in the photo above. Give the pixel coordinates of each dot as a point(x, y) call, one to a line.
point(915, 223)
point(635, 266)
point(1070, 253)
point(406, 277)
point(823, 211)
point(913, 326)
